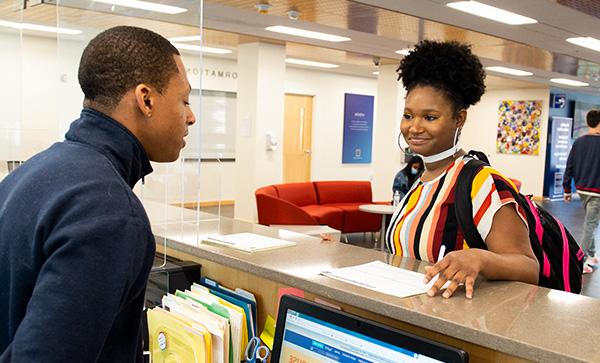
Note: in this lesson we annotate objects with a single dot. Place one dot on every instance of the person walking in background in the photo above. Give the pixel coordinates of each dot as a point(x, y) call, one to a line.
point(405, 178)
point(583, 165)
point(76, 245)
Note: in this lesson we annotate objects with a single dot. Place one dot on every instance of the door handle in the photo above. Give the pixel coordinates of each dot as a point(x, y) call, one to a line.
point(308, 152)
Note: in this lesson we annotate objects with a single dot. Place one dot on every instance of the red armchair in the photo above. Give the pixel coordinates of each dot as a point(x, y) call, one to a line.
point(332, 203)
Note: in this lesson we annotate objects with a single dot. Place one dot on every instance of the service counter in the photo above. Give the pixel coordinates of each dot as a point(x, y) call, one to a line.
point(504, 322)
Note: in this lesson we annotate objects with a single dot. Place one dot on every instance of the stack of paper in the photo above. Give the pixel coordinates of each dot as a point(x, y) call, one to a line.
point(381, 277)
point(248, 242)
point(208, 323)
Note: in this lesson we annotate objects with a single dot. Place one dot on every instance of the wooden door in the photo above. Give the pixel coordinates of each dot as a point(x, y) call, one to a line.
point(297, 138)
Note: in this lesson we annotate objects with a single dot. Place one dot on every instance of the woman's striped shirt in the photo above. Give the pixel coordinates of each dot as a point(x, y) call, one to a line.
point(425, 217)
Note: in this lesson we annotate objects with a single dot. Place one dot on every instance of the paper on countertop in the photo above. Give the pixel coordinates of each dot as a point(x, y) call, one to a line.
point(381, 277)
point(248, 242)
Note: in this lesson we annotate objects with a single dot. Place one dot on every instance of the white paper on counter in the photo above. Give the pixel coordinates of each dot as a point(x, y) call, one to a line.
point(381, 277)
point(248, 242)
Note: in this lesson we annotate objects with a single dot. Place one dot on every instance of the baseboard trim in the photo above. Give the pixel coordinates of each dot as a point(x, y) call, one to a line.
point(208, 203)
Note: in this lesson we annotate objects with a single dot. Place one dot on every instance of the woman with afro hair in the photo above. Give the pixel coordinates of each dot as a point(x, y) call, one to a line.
point(442, 80)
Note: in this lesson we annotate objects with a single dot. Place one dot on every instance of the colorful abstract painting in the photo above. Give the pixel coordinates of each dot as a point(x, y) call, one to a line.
point(519, 127)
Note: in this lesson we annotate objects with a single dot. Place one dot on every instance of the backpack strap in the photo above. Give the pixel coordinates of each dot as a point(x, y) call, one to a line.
point(463, 205)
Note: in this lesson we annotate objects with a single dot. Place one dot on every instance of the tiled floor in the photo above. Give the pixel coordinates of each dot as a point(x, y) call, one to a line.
point(571, 214)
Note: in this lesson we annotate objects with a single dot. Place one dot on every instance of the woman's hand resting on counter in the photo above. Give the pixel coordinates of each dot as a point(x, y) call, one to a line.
point(458, 267)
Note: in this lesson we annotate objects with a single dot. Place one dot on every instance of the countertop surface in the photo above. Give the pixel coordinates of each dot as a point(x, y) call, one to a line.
point(515, 318)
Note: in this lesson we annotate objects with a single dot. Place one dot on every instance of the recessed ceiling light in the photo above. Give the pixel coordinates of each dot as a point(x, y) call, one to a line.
point(310, 63)
point(569, 82)
point(587, 42)
point(145, 5)
point(405, 51)
point(199, 48)
point(41, 28)
point(191, 38)
point(491, 12)
point(511, 71)
point(306, 33)
point(376, 73)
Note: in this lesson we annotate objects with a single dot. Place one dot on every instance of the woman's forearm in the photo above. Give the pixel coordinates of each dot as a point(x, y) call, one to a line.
point(513, 267)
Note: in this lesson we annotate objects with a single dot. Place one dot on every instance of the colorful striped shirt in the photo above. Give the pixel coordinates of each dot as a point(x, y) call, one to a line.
point(425, 218)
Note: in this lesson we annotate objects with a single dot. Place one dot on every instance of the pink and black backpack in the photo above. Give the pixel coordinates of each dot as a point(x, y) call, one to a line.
point(559, 255)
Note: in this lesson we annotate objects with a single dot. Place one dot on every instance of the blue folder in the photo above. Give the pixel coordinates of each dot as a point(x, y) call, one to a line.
point(234, 297)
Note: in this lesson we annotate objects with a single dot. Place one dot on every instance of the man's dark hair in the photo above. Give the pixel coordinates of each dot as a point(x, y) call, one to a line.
point(450, 67)
point(593, 118)
point(119, 59)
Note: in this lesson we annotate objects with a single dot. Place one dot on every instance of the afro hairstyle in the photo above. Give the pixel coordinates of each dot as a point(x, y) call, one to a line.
point(450, 67)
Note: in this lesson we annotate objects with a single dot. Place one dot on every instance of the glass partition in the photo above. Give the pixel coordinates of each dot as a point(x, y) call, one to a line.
point(42, 42)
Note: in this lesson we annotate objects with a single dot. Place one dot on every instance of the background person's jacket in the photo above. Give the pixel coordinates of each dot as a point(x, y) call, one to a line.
point(583, 165)
point(75, 249)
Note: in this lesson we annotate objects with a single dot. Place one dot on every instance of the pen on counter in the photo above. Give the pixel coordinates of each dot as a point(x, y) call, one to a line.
point(440, 256)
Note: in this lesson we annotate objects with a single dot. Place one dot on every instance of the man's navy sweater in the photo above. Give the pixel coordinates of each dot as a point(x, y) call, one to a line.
point(583, 165)
point(75, 249)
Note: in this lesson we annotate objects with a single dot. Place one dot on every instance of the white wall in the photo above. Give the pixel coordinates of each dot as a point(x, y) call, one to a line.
point(480, 134)
point(38, 105)
point(328, 120)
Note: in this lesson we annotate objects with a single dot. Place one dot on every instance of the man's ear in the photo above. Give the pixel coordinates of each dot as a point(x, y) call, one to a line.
point(144, 99)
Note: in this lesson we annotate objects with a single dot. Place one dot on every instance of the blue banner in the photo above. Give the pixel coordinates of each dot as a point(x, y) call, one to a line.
point(358, 129)
point(559, 148)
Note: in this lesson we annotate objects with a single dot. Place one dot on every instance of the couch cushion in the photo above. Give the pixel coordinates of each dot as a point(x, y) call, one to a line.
point(268, 190)
point(299, 194)
point(356, 220)
point(333, 217)
point(343, 192)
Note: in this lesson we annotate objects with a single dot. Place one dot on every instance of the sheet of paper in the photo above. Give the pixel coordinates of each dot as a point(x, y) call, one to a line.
point(248, 242)
point(381, 277)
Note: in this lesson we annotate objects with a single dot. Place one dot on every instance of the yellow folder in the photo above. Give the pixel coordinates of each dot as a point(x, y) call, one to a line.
point(217, 325)
point(175, 341)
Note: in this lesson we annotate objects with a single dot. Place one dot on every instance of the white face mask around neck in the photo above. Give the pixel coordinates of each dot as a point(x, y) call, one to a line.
point(439, 156)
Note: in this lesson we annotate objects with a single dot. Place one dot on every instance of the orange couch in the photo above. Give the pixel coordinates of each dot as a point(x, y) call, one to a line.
point(333, 203)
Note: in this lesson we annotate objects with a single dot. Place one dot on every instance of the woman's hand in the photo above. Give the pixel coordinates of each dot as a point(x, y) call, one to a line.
point(458, 267)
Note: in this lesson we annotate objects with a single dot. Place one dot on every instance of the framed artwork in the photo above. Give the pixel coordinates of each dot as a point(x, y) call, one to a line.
point(519, 127)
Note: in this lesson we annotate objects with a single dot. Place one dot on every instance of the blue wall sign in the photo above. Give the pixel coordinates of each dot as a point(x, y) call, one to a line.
point(358, 129)
point(559, 148)
point(559, 101)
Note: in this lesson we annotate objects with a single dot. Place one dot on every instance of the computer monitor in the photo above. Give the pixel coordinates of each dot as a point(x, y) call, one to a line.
point(307, 332)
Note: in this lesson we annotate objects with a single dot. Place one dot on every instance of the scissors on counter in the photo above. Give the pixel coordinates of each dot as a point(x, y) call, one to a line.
point(255, 351)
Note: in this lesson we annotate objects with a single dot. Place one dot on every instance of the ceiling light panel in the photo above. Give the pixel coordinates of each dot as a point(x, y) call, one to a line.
point(306, 33)
point(203, 49)
point(405, 51)
point(586, 42)
point(145, 5)
point(491, 12)
point(37, 27)
point(511, 71)
point(303, 62)
point(191, 38)
point(569, 82)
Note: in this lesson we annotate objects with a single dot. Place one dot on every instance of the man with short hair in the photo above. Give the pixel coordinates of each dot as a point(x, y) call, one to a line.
point(76, 246)
point(583, 165)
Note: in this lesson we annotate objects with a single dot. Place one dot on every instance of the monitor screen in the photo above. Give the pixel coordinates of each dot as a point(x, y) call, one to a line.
point(312, 333)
